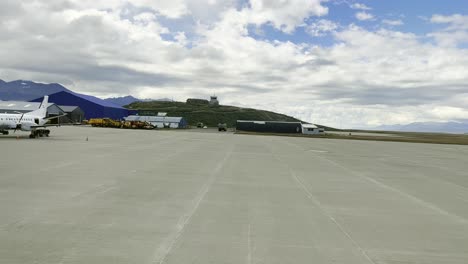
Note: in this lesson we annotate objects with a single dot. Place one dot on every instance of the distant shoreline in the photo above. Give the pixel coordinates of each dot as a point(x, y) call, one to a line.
point(405, 137)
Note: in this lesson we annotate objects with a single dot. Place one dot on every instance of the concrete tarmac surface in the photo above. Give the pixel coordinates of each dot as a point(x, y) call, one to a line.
point(133, 196)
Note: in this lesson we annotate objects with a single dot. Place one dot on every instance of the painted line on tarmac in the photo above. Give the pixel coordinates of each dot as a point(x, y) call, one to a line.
point(249, 246)
point(58, 166)
point(415, 199)
point(317, 151)
point(168, 243)
point(318, 204)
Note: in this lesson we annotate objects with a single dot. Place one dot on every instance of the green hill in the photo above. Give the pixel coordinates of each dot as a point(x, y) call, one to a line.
point(196, 110)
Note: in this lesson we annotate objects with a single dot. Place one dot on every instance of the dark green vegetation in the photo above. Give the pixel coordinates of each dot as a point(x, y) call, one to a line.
point(196, 110)
point(409, 137)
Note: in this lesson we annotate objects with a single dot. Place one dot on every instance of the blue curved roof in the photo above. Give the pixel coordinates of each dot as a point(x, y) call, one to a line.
point(96, 100)
point(93, 107)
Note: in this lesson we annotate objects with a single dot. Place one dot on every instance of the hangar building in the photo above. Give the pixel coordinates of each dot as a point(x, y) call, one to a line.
point(93, 107)
point(160, 121)
point(269, 126)
point(74, 114)
point(310, 129)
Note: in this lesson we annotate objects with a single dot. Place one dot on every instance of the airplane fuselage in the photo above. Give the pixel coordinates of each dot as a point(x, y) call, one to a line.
point(10, 121)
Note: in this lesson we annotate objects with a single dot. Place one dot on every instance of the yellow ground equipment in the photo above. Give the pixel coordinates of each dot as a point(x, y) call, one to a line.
point(107, 122)
point(104, 122)
point(137, 125)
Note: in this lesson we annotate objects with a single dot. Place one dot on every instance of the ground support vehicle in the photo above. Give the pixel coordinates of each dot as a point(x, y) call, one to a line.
point(222, 127)
point(40, 132)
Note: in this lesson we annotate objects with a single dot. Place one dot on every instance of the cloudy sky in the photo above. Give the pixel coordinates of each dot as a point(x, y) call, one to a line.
point(342, 63)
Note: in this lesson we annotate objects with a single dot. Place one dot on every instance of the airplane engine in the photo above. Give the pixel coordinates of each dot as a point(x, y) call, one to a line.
point(24, 127)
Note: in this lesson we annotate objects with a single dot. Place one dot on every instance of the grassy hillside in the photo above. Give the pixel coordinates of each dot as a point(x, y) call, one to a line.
point(210, 115)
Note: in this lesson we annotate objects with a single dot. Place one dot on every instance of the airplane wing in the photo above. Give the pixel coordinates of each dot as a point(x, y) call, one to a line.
point(53, 117)
point(47, 125)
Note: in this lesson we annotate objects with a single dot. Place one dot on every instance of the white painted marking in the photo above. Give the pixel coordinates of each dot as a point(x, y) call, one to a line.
point(319, 205)
point(166, 246)
point(249, 247)
point(95, 191)
point(57, 166)
point(416, 200)
point(318, 151)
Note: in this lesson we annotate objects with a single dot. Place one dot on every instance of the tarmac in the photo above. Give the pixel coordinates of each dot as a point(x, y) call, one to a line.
point(98, 195)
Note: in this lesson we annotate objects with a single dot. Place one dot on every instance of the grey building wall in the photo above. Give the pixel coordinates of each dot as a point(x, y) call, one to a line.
point(269, 126)
point(74, 114)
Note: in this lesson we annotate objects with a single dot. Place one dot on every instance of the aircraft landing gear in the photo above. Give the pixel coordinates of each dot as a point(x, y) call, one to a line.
point(39, 133)
point(5, 132)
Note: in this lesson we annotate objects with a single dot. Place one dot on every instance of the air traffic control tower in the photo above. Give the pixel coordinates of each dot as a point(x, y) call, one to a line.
point(214, 100)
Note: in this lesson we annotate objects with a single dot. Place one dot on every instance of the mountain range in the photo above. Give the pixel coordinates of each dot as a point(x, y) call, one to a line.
point(26, 90)
point(436, 127)
point(21, 90)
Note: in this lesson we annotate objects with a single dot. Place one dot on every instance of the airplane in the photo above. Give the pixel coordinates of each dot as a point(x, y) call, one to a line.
point(31, 121)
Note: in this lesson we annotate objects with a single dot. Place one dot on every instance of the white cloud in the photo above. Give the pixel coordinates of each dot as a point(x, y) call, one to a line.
point(390, 22)
point(145, 18)
point(449, 112)
point(321, 27)
point(209, 11)
point(167, 8)
point(455, 33)
point(457, 20)
point(181, 38)
point(284, 15)
point(360, 6)
point(364, 16)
